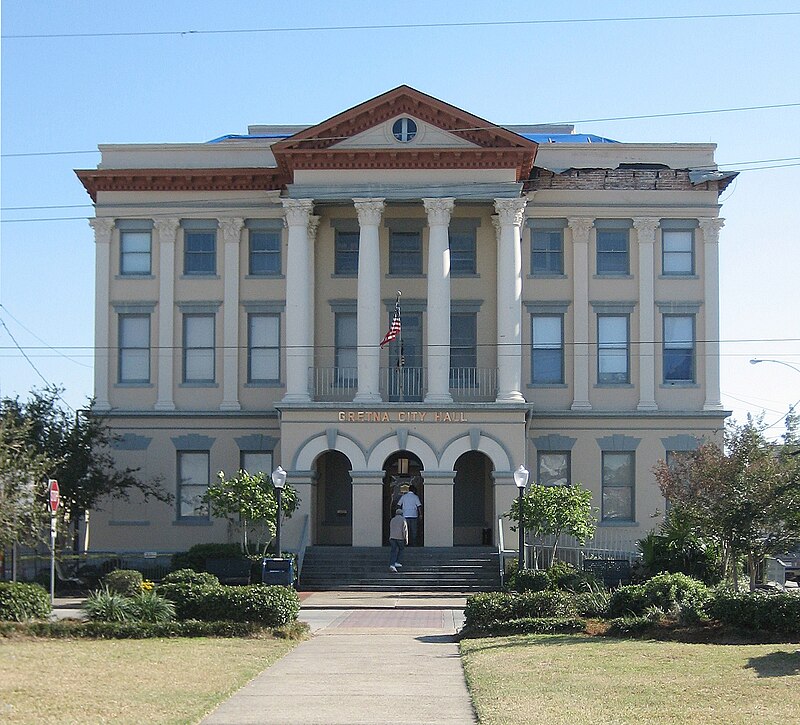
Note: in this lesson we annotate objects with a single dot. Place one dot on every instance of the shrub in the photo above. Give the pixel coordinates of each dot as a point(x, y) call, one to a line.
point(530, 580)
point(670, 591)
point(196, 557)
point(484, 609)
point(537, 625)
point(124, 581)
point(190, 576)
point(634, 626)
point(592, 603)
point(757, 611)
point(19, 602)
point(105, 605)
point(566, 576)
point(151, 607)
point(627, 600)
point(551, 603)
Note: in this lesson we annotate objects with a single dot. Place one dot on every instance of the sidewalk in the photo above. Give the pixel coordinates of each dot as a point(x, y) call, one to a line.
point(374, 657)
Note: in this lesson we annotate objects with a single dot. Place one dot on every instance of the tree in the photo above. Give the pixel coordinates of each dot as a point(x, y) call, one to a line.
point(745, 495)
point(555, 510)
point(250, 503)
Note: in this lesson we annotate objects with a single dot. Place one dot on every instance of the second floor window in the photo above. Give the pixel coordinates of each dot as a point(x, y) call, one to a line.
point(463, 348)
point(198, 348)
point(346, 357)
point(263, 348)
point(405, 253)
point(612, 252)
point(677, 256)
point(134, 348)
point(547, 349)
point(135, 251)
point(346, 253)
point(462, 252)
point(265, 252)
point(547, 251)
point(678, 349)
point(612, 349)
point(200, 247)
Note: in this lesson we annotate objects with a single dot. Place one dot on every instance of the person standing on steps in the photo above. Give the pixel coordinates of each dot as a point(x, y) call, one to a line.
point(398, 538)
point(412, 507)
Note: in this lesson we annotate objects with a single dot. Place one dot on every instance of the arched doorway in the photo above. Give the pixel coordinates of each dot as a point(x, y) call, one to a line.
point(401, 470)
point(473, 505)
point(334, 499)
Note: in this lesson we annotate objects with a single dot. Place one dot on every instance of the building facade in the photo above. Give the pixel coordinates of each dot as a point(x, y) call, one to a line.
point(558, 296)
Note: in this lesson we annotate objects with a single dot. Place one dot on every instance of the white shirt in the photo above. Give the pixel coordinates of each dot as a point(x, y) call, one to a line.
point(410, 503)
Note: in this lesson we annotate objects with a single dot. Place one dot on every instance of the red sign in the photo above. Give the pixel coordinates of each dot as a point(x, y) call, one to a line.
point(54, 495)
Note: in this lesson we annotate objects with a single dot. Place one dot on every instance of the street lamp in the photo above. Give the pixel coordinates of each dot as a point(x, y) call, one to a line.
point(279, 481)
point(757, 360)
point(521, 479)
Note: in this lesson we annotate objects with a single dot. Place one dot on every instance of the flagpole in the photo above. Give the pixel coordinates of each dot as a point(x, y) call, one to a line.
point(402, 361)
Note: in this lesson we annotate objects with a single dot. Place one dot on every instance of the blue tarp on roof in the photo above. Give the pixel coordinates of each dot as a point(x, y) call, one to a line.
point(566, 138)
point(247, 136)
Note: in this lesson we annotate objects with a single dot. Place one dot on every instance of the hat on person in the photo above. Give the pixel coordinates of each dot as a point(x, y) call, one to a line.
point(399, 510)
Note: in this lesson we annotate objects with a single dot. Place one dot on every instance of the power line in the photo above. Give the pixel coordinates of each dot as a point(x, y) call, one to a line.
point(400, 26)
point(50, 347)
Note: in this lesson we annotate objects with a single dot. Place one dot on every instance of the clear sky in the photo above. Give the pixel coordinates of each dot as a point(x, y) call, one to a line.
point(164, 83)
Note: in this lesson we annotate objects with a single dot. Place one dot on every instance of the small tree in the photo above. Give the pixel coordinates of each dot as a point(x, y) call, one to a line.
point(250, 503)
point(555, 510)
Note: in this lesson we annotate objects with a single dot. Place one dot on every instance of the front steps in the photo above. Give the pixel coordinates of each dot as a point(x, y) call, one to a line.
point(428, 569)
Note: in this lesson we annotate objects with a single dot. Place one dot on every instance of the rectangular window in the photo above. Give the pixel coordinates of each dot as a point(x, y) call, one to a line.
point(135, 252)
point(679, 348)
point(463, 349)
point(553, 468)
point(198, 348)
point(613, 352)
point(547, 349)
point(265, 252)
point(405, 253)
point(346, 340)
point(200, 247)
point(618, 486)
point(192, 484)
point(612, 251)
point(255, 462)
point(134, 349)
point(263, 348)
point(677, 251)
point(463, 244)
point(346, 254)
point(547, 251)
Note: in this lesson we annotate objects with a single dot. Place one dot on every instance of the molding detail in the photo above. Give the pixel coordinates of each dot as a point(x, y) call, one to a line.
point(231, 229)
point(439, 210)
point(193, 442)
point(369, 211)
point(554, 442)
point(618, 442)
point(256, 442)
point(510, 211)
point(711, 227)
point(131, 442)
point(297, 211)
point(646, 229)
point(581, 228)
point(682, 442)
point(331, 434)
point(103, 227)
point(402, 438)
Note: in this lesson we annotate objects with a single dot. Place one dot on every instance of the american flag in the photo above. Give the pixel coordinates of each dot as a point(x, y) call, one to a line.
point(394, 328)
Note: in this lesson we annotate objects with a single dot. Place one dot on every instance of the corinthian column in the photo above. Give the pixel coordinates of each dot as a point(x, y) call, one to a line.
point(710, 228)
point(369, 293)
point(510, 214)
point(581, 228)
point(299, 293)
point(439, 211)
point(646, 235)
point(167, 230)
point(103, 228)
point(231, 234)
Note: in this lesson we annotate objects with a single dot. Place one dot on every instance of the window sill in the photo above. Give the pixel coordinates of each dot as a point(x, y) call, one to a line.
point(200, 275)
point(464, 275)
point(134, 276)
point(133, 385)
point(264, 384)
point(198, 384)
point(547, 385)
point(688, 275)
point(402, 275)
point(276, 275)
point(679, 384)
point(613, 385)
point(545, 275)
point(344, 275)
point(613, 275)
point(618, 523)
point(193, 522)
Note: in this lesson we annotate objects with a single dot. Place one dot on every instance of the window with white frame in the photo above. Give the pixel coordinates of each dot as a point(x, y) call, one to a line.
point(678, 351)
point(613, 247)
point(134, 348)
point(193, 479)
point(553, 468)
point(265, 250)
point(346, 350)
point(255, 462)
point(263, 348)
point(345, 260)
point(619, 477)
point(613, 350)
point(200, 247)
point(463, 349)
point(405, 252)
point(547, 349)
point(677, 247)
point(547, 247)
point(198, 348)
point(135, 247)
point(463, 246)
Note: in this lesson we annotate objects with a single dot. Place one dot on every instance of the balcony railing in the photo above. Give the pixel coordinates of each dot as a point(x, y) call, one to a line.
point(407, 384)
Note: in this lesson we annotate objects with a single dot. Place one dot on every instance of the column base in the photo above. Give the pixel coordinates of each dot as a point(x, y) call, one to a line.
point(368, 398)
point(438, 398)
point(647, 405)
point(101, 406)
point(164, 406)
point(713, 406)
point(230, 406)
point(296, 398)
point(581, 405)
point(512, 396)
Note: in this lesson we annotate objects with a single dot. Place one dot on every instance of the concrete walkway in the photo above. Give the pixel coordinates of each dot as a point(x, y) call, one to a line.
point(374, 658)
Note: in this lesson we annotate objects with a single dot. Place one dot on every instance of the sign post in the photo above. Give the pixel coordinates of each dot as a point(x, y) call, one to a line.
point(53, 501)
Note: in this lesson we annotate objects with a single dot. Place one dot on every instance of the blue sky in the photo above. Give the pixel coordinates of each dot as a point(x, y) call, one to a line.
point(64, 94)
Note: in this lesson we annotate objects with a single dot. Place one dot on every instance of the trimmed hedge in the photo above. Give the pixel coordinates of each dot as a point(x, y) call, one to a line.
point(530, 580)
point(190, 576)
point(127, 582)
point(537, 625)
point(757, 611)
point(669, 592)
point(627, 600)
point(483, 610)
point(132, 630)
point(630, 626)
point(19, 602)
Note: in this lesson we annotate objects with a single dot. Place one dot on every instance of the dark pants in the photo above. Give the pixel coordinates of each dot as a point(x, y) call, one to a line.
point(412, 531)
point(396, 549)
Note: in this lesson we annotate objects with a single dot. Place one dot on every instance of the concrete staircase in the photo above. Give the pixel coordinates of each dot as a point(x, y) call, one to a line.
point(457, 569)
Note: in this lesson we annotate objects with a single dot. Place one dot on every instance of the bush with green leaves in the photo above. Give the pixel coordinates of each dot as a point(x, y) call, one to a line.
point(19, 602)
point(567, 577)
point(537, 625)
point(758, 611)
point(144, 630)
point(486, 608)
point(196, 557)
point(107, 605)
point(630, 626)
point(671, 591)
point(592, 603)
point(190, 576)
point(151, 607)
point(627, 601)
point(127, 582)
point(530, 580)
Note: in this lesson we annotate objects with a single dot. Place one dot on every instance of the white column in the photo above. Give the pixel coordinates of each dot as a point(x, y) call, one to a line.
point(167, 230)
point(646, 235)
point(369, 300)
point(439, 211)
point(299, 291)
point(510, 214)
point(313, 226)
point(581, 227)
point(103, 228)
point(710, 228)
point(231, 235)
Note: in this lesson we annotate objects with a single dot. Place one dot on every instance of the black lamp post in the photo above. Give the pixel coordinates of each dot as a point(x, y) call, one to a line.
point(279, 481)
point(521, 479)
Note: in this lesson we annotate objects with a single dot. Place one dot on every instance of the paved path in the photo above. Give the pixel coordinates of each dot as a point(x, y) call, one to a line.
point(377, 660)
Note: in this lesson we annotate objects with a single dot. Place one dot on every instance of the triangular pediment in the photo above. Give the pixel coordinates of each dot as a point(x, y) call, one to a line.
point(426, 135)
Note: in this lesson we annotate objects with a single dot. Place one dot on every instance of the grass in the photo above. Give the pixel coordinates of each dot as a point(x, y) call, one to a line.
point(125, 681)
point(581, 680)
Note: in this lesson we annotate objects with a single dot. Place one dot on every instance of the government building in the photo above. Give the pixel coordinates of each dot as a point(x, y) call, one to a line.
point(557, 296)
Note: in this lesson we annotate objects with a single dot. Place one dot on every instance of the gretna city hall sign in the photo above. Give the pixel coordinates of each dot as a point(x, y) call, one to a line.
point(402, 416)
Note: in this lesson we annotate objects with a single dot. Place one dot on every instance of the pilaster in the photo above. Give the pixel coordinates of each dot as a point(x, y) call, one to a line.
point(231, 235)
point(367, 508)
point(103, 229)
point(167, 229)
point(646, 235)
point(710, 228)
point(437, 511)
point(581, 228)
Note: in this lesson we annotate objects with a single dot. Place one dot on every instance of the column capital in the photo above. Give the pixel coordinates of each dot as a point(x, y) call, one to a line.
point(231, 229)
point(103, 226)
point(646, 228)
point(511, 211)
point(297, 211)
point(167, 228)
point(581, 228)
point(369, 210)
point(711, 227)
point(313, 225)
point(439, 210)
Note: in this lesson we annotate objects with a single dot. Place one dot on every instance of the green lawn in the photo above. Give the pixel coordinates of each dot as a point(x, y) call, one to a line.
point(125, 681)
point(581, 680)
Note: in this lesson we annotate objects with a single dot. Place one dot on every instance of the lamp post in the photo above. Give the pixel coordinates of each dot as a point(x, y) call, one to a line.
point(757, 360)
point(521, 479)
point(279, 481)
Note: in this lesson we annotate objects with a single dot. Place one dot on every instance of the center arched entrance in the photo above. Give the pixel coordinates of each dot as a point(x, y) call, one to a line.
point(401, 470)
point(473, 502)
point(334, 500)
